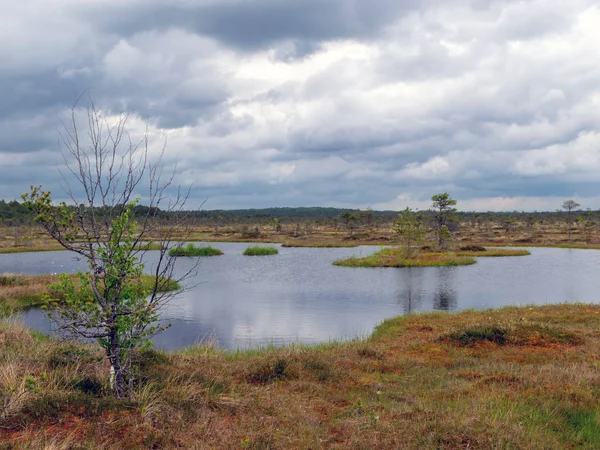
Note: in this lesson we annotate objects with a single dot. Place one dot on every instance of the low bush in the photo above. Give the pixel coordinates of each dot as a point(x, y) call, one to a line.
point(270, 371)
point(88, 385)
point(472, 336)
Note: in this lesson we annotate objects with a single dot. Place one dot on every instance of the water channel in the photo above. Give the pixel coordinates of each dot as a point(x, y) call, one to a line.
point(299, 296)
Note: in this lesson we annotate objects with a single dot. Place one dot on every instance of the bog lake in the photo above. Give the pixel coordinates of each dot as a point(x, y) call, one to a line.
point(241, 301)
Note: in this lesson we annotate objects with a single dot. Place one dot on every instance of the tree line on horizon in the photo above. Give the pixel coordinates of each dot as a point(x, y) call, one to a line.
point(14, 213)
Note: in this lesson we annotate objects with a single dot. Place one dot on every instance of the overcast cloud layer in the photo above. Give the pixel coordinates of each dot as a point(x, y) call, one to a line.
point(349, 103)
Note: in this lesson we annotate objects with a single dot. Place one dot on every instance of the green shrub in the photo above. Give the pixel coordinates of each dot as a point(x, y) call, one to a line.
point(471, 336)
point(88, 385)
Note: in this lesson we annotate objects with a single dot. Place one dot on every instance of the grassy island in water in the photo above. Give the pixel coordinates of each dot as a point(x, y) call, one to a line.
point(192, 250)
point(399, 257)
point(259, 250)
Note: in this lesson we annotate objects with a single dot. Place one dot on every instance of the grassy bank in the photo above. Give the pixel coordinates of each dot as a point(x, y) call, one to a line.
point(512, 378)
point(50, 248)
point(21, 292)
point(259, 250)
point(146, 246)
point(192, 250)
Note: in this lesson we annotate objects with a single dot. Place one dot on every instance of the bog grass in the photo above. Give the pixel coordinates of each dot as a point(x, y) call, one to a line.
point(522, 378)
point(259, 250)
point(192, 250)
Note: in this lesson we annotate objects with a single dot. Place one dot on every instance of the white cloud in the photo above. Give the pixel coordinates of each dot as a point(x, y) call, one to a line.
point(580, 158)
point(435, 168)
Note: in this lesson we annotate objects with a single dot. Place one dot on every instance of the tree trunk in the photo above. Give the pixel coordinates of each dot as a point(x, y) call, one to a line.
point(440, 225)
point(114, 356)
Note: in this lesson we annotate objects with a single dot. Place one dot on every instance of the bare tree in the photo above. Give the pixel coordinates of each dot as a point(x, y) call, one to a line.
point(105, 225)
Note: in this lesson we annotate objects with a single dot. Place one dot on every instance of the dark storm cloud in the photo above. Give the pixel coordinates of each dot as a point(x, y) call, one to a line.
point(252, 25)
point(33, 92)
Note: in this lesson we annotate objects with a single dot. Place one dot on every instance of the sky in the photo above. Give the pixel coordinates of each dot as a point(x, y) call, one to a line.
point(344, 103)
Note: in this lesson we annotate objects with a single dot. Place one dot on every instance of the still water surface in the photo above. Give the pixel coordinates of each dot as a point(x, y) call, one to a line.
point(298, 296)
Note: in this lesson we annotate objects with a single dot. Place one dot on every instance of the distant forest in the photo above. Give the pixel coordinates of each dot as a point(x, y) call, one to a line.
point(13, 213)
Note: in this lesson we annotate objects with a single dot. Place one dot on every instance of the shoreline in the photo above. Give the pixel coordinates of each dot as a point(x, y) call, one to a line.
point(286, 244)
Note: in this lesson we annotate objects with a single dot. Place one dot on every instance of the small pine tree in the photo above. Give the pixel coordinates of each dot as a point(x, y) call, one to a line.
point(410, 231)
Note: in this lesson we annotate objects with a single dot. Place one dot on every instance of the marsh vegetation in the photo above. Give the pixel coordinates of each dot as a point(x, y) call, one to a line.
point(260, 250)
point(193, 250)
